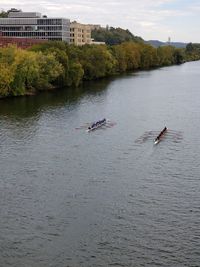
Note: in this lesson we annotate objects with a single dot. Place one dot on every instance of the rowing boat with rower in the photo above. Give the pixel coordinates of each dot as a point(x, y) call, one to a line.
point(96, 125)
point(158, 138)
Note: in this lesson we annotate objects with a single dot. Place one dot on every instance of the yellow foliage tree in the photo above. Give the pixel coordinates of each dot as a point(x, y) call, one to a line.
point(6, 79)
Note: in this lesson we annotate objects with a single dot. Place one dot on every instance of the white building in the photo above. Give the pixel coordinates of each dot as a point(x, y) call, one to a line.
point(32, 25)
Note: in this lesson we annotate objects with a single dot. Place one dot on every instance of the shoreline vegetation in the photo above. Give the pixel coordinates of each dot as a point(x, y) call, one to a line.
point(54, 65)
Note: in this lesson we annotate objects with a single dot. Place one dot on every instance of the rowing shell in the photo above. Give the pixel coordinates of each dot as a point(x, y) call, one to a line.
point(157, 140)
point(94, 128)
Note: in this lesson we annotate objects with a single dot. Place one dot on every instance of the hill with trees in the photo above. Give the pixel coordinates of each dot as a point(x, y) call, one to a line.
point(114, 36)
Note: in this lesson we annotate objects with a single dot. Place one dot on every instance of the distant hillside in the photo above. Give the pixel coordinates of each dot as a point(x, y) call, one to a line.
point(113, 36)
point(157, 43)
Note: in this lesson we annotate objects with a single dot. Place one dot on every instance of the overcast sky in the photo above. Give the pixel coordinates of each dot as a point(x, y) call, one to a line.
point(150, 19)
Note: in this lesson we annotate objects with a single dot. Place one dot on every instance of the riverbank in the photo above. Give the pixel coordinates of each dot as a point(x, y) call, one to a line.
point(56, 64)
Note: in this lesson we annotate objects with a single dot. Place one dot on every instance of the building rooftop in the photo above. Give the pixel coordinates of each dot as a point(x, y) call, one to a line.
point(20, 14)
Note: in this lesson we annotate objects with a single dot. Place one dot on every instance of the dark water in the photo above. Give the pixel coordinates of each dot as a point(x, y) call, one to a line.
point(106, 198)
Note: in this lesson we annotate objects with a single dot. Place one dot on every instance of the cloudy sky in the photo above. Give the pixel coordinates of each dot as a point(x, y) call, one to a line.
point(150, 19)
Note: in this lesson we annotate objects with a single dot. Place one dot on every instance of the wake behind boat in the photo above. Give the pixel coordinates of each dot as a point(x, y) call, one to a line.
point(96, 125)
point(158, 138)
point(172, 136)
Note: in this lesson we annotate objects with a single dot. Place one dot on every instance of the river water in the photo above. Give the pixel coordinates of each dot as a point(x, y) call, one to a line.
point(110, 197)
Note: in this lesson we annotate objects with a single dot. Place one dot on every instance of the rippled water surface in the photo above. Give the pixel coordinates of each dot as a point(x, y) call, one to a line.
point(110, 197)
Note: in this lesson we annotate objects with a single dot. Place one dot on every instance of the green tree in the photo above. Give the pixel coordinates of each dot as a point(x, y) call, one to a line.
point(97, 62)
point(149, 57)
point(49, 70)
point(59, 49)
point(7, 55)
point(121, 60)
point(76, 73)
point(26, 72)
point(133, 55)
point(6, 78)
point(166, 55)
point(127, 55)
point(192, 51)
point(3, 14)
point(178, 56)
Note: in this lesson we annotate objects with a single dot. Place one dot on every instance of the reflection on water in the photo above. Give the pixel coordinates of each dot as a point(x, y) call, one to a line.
point(109, 198)
point(21, 115)
point(24, 107)
point(174, 136)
